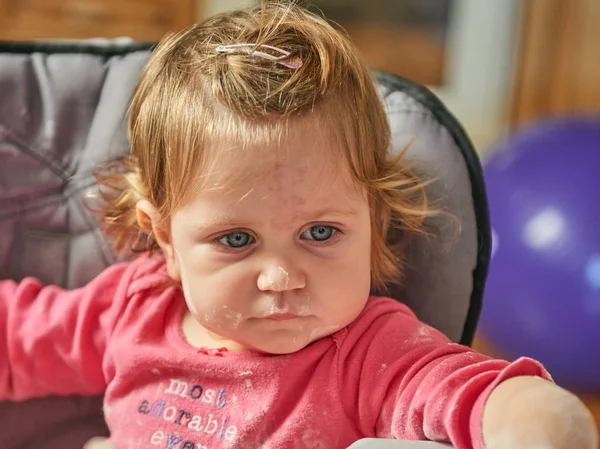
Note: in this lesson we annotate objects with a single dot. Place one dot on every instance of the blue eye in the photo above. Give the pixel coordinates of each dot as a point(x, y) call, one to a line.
point(319, 233)
point(237, 239)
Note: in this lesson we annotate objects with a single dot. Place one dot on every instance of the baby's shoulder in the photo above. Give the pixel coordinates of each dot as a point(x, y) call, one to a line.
point(148, 272)
point(385, 320)
point(141, 274)
point(382, 308)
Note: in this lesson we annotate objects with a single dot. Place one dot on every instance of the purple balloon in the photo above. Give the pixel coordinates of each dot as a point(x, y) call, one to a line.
point(542, 296)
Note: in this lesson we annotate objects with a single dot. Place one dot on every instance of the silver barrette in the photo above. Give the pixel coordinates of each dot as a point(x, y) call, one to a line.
point(252, 49)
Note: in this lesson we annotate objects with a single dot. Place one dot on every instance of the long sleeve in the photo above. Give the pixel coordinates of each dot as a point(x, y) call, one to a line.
point(52, 341)
point(405, 380)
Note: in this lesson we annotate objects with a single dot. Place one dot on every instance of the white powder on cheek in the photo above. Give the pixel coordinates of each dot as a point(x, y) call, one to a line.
point(186, 286)
point(211, 316)
point(235, 318)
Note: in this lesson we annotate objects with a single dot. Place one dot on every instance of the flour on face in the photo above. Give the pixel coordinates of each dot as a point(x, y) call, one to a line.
point(279, 283)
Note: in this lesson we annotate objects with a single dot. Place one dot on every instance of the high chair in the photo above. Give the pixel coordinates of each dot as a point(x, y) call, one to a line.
point(62, 110)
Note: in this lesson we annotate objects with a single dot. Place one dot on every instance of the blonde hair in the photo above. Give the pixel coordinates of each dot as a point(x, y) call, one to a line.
point(190, 95)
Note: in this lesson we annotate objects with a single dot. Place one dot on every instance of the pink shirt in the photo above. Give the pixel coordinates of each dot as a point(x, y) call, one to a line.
point(386, 375)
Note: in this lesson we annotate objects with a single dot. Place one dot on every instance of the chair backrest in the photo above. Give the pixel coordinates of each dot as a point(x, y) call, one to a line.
point(62, 112)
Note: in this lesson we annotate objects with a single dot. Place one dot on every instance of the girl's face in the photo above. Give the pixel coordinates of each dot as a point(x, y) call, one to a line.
point(276, 261)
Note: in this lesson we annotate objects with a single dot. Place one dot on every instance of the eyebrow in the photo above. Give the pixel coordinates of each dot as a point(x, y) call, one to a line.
point(220, 220)
point(226, 220)
point(314, 216)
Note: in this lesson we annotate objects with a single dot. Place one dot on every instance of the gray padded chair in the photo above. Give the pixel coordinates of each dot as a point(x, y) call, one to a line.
point(62, 110)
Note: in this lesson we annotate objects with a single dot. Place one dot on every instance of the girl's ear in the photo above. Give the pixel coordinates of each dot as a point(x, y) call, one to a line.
point(150, 222)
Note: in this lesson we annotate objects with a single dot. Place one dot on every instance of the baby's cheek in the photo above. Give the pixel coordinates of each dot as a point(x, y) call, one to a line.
point(232, 317)
point(221, 316)
point(323, 331)
point(355, 303)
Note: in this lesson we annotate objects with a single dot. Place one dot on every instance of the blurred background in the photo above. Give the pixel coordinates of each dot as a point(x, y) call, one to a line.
point(497, 64)
point(523, 77)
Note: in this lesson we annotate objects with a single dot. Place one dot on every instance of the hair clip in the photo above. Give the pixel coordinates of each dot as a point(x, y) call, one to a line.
point(283, 58)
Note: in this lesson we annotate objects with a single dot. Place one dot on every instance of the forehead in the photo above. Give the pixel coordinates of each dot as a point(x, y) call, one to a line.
point(301, 152)
point(304, 169)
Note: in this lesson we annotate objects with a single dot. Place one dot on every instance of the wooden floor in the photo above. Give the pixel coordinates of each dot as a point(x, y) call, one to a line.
point(591, 401)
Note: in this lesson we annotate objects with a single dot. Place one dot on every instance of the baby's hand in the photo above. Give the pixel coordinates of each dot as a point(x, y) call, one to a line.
point(98, 443)
point(526, 412)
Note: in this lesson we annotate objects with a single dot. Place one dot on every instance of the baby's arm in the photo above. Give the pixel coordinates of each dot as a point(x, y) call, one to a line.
point(98, 443)
point(404, 380)
point(525, 412)
point(52, 341)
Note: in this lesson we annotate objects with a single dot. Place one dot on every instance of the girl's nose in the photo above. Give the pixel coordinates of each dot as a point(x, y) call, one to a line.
point(280, 278)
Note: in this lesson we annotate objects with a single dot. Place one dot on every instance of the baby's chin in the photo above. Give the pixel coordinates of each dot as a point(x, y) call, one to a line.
point(290, 344)
point(273, 339)
point(271, 344)
point(278, 348)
